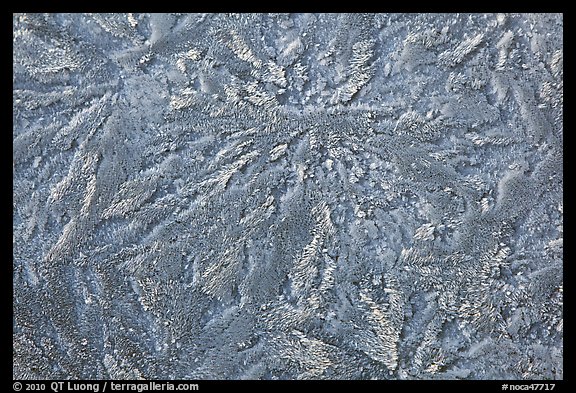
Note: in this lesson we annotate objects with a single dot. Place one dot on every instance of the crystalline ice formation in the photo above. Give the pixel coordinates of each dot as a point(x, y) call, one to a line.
point(288, 196)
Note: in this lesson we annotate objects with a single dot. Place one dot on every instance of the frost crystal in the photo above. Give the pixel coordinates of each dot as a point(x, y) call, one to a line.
point(287, 196)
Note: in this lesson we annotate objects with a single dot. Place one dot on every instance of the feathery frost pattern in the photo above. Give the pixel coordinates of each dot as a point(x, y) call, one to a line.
point(288, 196)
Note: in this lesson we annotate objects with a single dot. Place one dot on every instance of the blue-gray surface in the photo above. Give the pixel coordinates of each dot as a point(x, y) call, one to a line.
point(288, 196)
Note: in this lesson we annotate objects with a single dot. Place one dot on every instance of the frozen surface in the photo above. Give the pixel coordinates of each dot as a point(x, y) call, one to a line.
point(288, 196)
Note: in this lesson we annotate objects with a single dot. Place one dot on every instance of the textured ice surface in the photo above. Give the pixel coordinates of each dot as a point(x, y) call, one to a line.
point(288, 196)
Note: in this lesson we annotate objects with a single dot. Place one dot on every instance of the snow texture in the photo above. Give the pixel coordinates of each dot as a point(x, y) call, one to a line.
point(288, 196)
